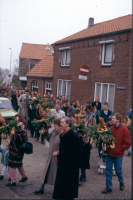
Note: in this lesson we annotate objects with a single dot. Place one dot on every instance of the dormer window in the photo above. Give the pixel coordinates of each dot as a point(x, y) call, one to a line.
point(31, 65)
point(107, 52)
point(65, 56)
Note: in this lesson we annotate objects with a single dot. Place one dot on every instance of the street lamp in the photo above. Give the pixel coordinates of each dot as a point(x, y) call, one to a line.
point(10, 65)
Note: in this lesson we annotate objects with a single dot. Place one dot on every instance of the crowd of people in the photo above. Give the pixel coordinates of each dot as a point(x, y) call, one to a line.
point(68, 151)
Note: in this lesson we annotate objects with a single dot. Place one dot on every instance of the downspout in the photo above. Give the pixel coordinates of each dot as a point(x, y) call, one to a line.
point(43, 87)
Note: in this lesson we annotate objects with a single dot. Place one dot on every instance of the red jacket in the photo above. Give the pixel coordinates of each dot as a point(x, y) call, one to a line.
point(123, 141)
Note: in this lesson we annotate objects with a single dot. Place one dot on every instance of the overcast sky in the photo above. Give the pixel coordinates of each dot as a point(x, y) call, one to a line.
point(47, 21)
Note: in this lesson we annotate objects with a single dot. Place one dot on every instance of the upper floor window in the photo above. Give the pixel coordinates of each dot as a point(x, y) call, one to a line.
point(65, 56)
point(107, 52)
point(31, 65)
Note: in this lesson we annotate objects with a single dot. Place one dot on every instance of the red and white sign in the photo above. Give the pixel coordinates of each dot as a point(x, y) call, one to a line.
point(84, 70)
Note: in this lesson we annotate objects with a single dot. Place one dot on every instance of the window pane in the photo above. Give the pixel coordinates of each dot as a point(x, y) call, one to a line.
point(32, 65)
point(111, 97)
point(64, 88)
point(63, 57)
point(104, 93)
point(59, 88)
point(108, 53)
point(98, 90)
point(50, 85)
point(69, 89)
point(68, 56)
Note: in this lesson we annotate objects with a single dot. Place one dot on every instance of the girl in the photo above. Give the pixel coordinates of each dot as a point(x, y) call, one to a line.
point(85, 156)
point(16, 157)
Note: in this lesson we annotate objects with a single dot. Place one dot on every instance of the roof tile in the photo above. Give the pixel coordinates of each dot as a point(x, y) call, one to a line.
point(44, 68)
point(34, 51)
point(121, 23)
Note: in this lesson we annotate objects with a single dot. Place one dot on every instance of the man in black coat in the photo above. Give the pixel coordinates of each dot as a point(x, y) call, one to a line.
point(97, 104)
point(66, 183)
point(14, 101)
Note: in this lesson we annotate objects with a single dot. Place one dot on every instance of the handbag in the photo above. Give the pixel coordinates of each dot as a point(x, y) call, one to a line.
point(26, 147)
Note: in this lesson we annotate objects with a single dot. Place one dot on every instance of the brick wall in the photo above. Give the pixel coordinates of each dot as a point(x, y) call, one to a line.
point(40, 81)
point(87, 52)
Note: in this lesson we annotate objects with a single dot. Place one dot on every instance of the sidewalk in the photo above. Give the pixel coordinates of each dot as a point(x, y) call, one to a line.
point(91, 189)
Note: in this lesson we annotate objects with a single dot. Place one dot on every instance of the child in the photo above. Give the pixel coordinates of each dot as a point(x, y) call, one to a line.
point(85, 157)
point(4, 161)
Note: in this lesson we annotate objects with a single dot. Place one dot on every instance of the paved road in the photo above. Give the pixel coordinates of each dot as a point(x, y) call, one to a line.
point(91, 189)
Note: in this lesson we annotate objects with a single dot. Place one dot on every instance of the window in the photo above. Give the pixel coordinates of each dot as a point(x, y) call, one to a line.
point(48, 87)
point(31, 65)
point(107, 51)
point(63, 87)
point(35, 85)
point(106, 93)
point(65, 56)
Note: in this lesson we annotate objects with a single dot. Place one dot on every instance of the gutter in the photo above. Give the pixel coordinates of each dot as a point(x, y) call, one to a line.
point(93, 36)
point(40, 76)
point(42, 86)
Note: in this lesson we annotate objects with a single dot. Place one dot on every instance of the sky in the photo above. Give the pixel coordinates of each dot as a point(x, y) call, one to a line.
point(47, 21)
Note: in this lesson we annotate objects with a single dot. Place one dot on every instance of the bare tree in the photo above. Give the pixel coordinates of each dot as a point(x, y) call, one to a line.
point(15, 80)
point(4, 74)
point(15, 65)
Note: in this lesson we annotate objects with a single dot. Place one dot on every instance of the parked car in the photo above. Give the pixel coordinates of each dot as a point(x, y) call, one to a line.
point(6, 109)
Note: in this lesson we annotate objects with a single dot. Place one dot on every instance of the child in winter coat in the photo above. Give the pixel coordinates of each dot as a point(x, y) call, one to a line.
point(85, 157)
point(4, 161)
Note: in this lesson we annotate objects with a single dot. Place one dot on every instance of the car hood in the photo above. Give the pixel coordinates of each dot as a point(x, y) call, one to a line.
point(8, 113)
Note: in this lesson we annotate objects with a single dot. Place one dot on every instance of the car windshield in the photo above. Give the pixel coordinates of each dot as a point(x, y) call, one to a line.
point(5, 104)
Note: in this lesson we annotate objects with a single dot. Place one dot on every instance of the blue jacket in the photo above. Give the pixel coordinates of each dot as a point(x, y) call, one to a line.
point(100, 113)
point(67, 110)
point(4, 159)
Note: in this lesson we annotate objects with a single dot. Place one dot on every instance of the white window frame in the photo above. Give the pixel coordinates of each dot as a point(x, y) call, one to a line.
point(100, 98)
point(103, 43)
point(36, 84)
point(62, 86)
point(60, 59)
point(49, 86)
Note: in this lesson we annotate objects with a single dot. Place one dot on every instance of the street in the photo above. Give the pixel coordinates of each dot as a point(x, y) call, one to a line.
point(91, 189)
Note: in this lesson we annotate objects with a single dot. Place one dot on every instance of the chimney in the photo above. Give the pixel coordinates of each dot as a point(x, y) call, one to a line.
point(90, 22)
point(48, 48)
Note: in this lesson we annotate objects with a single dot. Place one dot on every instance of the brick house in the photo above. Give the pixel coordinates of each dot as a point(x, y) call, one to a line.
point(30, 55)
point(106, 48)
point(40, 77)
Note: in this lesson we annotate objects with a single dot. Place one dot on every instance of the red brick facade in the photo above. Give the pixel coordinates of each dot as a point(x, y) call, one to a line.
point(87, 51)
point(41, 83)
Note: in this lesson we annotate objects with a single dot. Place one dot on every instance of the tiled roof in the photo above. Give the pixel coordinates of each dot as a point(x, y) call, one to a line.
point(34, 51)
point(121, 23)
point(44, 68)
